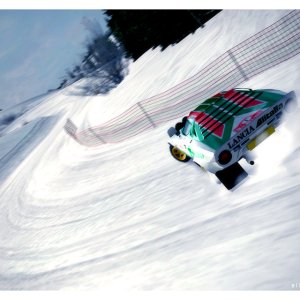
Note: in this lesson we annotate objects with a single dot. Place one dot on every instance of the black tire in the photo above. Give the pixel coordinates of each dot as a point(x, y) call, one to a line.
point(184, 121)
point(178, 155)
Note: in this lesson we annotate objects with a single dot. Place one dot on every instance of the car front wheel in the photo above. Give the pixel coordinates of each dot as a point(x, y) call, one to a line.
point(178, 154)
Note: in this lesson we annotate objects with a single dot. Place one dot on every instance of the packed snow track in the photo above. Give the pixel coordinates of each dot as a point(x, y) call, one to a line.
point(127, 216)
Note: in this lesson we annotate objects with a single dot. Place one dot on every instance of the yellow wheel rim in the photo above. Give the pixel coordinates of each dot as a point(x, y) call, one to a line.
point(178, 154)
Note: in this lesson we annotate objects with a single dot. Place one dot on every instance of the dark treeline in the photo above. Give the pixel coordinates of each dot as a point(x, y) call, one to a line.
point(141, 30)
point(131, 33)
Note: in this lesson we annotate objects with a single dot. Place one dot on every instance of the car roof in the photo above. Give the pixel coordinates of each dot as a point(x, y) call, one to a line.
point(216, 117)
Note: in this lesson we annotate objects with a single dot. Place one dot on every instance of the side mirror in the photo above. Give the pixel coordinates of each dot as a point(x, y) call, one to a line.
point(171, 131)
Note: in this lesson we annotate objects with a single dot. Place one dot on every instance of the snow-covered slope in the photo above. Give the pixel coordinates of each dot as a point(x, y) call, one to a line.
point(128, 215)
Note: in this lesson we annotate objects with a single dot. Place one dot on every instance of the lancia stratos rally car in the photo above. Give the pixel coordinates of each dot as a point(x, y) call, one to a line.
point(226, 127)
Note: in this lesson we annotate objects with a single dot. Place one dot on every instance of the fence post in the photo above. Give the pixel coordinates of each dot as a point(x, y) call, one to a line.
point(96, 135)
point(70, 128)
point(145, 113)
point(237, 65)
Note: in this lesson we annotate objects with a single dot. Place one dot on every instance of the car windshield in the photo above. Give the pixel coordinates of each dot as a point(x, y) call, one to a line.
point(191, 130)
point(188, 126)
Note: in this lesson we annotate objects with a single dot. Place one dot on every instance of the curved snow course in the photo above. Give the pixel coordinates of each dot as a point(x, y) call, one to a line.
point(128, 215)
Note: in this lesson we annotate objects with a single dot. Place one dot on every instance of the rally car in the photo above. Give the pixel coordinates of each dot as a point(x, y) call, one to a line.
point(226, 127)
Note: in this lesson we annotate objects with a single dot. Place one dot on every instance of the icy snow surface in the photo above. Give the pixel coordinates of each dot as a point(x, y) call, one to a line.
point(128, 216)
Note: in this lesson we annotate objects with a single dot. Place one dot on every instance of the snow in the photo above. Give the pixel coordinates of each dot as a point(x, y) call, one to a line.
point(128, 216)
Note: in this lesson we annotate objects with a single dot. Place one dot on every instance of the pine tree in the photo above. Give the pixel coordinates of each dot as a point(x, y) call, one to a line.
point(140, 30)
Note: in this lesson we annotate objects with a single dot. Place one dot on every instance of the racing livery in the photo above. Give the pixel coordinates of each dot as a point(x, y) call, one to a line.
point(224, 128)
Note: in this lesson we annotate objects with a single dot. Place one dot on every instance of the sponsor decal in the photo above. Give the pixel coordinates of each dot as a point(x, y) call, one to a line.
point(246, 121)
point(200, 155)
point(246, 132)
point(267, 116)
point(208, 123)
point(241, 99)
point(240, 137)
